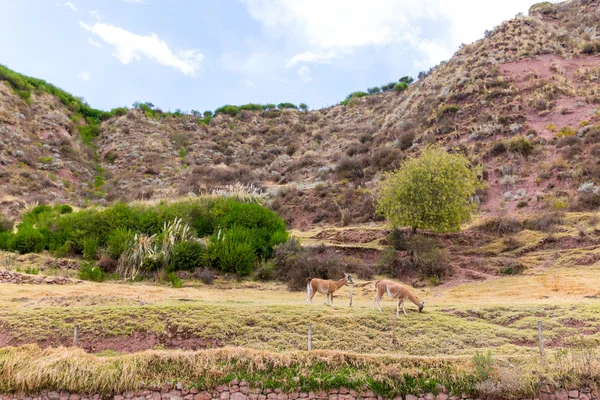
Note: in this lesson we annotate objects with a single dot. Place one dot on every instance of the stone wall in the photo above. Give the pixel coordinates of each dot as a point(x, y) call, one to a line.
point(15, 277)
point(242, 391)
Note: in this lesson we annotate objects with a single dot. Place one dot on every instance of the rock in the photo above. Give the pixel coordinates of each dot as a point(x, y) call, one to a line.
point(224, 396)
point(442, 396)
point(238, 396)
point(179, 386)
point(410, 397)
point(53, 395)
point(561, 394)
point(203, 396)
point(429, 396)
point(573, 394)
point(119, 397)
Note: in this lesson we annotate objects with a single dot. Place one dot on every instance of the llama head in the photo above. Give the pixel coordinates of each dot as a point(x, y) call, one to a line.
point(421, 305)
point(349, 278)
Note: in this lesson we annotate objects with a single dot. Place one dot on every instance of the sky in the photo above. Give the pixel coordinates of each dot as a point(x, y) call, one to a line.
point(202, 54)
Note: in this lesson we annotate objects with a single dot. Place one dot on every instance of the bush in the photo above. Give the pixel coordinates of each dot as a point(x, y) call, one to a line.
point(118, 241)
point(205, 275)
point(89, 271)
point(386, 262)
point(429, 258)
point(520, 145)
point(265, 272)
point(6, 241)
point(186, 256)
point(176, 282)
point(498, 148)
point(232, 251)
point(374, 90)
point(64, 208)
point(400, 87)
point(406, 140)
point(28, 240)
point(228, 109)
point(282, 106)
point(5, 225)
point(90, 248)
point(397, 240)
point(502, 225)
point(294, 264)
point(545, 222)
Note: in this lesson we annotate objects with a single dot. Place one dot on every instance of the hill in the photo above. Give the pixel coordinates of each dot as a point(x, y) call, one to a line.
point(522, 101)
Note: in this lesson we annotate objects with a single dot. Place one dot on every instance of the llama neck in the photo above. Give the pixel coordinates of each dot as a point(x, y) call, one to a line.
point(340, 283)
point(413, 298)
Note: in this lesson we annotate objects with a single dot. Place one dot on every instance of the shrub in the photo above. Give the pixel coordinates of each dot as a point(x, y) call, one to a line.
point(118, 241)
point(205, 275)
point(386, 262)
point(520, 145)
point(90, 248)
point(510, 266)
point(397, 240)
point(32, 271)
point(591, 47)
point(498, 148)
point(483, 364)
point(303, 106)
point(186, 256)
point(64, 208)
point(349, 168)
point(400, 87)
point(388, 87)
point(176, 282)
point(6, 241)
point(28, 240)
point(406, 139)
point(265, 272)
point(228, 109)
point(89, 271)
point(374, 90)
point(231, 250)
point(5, 225)
point(566, 131)
point(502, 225)
point(429, 258)
point(282, 106)
point(545, 222)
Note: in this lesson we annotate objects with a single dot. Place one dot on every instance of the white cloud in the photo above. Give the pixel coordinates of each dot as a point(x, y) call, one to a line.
point(309, 56)
point(129, 46)
point(304, 74)
point(70, 6)
point(332, 28)
point(248, 84)
point(94, 43)
point(83, 75)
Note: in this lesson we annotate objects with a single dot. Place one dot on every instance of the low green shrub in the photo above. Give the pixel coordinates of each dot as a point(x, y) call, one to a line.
point(186, 256)
point(400, 87)
point(520, 145)
point(32, 271)
point(89, 271)
point(231, 250)
point(29, 240)
point(118, 241)
point(176, 282)
point(90, 248)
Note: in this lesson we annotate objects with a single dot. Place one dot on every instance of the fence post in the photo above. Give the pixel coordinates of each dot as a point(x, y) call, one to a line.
point(75, 335)
point(541, 338)
point(309, 337)
point(351, 293)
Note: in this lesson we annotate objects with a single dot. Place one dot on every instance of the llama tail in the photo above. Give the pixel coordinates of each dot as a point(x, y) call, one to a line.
point(376, 283)
point(308, 280)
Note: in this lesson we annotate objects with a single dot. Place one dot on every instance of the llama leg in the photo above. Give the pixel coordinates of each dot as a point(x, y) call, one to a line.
point(379, 304)
point(398, 308)
point(403, 308)
point(312, 294)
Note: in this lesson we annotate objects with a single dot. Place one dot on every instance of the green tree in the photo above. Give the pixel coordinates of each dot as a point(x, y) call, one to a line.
point(303, 106)
point(407, 79)
point(433, 191)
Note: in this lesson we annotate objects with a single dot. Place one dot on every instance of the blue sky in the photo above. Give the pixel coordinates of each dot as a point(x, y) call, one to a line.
point(201, 54)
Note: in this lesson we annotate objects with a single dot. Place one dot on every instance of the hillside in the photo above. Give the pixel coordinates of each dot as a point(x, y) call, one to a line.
point(522, 101)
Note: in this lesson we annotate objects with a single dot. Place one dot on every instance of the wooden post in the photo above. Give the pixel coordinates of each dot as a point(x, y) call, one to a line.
point(309, 337)
point(75, 335)
point(351, 293)
point(541, 338)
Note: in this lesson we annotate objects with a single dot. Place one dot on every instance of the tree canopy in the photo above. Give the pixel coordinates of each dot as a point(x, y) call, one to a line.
point(433, 191)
